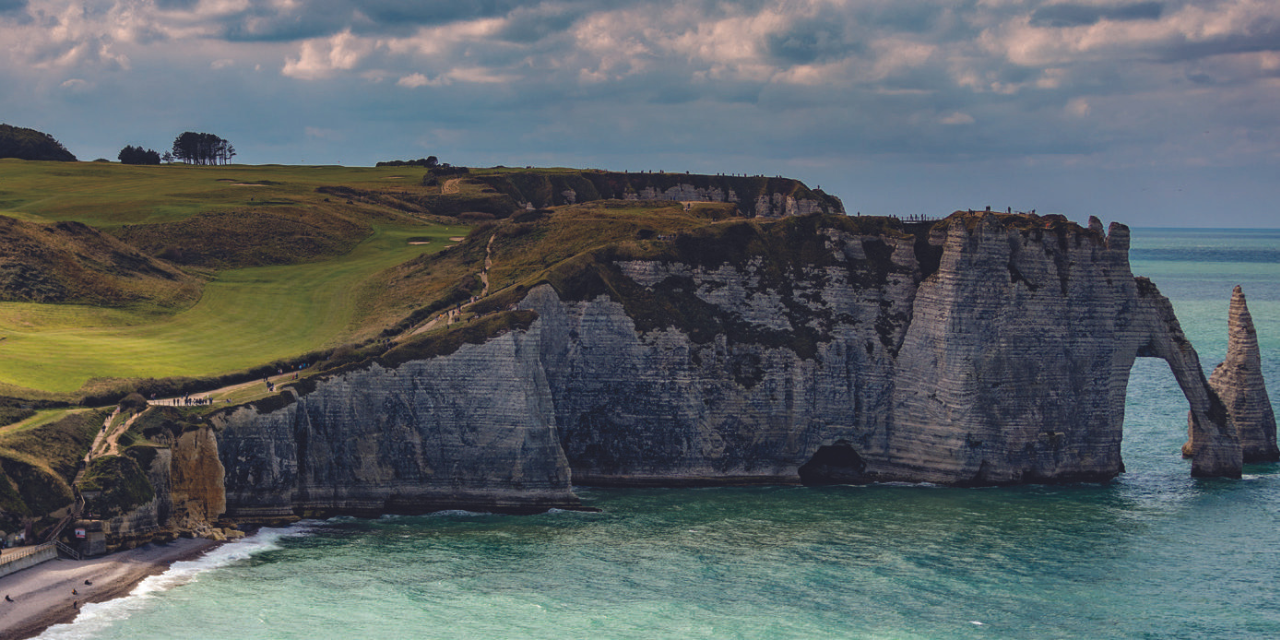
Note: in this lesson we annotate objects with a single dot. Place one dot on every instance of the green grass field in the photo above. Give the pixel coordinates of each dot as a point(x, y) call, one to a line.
point(105, 195)
point(245, 317)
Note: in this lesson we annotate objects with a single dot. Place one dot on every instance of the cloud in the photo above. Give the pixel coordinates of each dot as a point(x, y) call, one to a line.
point(751, 82)
point(957, 118)
point(1069, 14)
point(1078, 107)
point(415, 80)
point(321, 57)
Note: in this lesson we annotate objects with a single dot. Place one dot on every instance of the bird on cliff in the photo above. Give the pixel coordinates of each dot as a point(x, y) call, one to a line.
point(87, 582)
point(7, 598)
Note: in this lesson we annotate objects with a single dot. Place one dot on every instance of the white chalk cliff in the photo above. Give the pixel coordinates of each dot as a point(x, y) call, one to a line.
point(981, 350)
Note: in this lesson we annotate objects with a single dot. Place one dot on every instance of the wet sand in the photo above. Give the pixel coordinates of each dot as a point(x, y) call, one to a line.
point(42, 594)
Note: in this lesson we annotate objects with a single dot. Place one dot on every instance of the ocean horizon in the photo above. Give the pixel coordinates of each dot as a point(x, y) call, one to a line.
point(1152, 554)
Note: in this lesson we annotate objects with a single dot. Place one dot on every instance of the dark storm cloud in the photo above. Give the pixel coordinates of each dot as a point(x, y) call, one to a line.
point(12, 6)
point(1265, 37)
point(179, 5)
point(811, 41)
point(1079, 15)
point(317, 18)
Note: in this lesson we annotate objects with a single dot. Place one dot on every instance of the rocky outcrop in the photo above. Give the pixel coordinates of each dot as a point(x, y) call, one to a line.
point(1007, 364)
point(1238, 381)
point(196, 494)
point(474, 429)
point(755, 196)
point(771, 205)
point(981, 350)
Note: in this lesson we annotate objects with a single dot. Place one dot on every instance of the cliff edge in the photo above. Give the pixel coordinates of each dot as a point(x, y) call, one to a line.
point(983, 349)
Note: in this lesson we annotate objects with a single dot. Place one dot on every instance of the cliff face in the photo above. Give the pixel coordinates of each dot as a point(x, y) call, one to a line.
point(474, 429)
point(985, 350)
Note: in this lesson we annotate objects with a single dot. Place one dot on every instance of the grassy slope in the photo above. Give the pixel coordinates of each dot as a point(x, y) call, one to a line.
point(244, 317)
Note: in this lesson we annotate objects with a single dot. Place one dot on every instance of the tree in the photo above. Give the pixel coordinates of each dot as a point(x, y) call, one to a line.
point(138, 155)
point(201, 148)
point(167, 157)
point(29, 144)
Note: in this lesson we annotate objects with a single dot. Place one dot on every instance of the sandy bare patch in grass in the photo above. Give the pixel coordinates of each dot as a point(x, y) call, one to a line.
point(457, 238)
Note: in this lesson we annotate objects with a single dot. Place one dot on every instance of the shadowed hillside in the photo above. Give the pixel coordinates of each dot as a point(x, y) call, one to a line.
point(69, 262)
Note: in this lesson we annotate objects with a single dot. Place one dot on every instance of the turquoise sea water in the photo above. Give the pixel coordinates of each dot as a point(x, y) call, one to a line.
point(1154, 554)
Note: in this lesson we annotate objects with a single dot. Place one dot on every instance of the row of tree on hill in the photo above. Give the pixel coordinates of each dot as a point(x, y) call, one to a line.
point(428, 162)
point(190, 147)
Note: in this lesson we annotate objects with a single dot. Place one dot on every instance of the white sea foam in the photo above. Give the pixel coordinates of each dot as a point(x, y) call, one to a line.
point(94, 618)
point(457, 512)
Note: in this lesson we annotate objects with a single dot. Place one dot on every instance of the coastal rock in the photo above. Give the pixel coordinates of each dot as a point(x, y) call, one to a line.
point(1238, 381)
point(981, 350)
point(474, 429)
point(196, 490)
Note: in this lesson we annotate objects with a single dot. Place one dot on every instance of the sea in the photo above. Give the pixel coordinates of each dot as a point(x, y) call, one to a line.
point(1152, 554)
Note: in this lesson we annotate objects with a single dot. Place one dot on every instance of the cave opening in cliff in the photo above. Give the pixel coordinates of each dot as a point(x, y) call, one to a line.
point(837, 463)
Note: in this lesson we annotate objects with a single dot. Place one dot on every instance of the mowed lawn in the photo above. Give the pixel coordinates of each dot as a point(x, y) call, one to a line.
point(245, 318)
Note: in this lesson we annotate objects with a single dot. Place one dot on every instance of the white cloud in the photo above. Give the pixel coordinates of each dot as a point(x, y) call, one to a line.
point(1078, 107)
point(415, 80)
point(957, 118)
point(321, 57)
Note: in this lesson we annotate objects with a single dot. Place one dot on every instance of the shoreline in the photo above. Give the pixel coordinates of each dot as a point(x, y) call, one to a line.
point(42, 595)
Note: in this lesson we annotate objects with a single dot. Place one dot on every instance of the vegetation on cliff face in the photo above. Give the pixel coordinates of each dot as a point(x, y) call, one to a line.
point(114, 485)
point(39, 457)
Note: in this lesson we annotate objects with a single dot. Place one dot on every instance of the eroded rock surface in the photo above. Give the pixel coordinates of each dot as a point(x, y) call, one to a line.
point(1238, 381)
point(982, 350)
point(474, 429)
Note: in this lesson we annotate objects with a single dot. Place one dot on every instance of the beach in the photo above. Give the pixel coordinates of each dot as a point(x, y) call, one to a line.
point(42, 595)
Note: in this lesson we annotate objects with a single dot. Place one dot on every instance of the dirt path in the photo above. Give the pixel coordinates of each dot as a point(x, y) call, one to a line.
point(111, 441)
point(488, 264)
point(450, 186)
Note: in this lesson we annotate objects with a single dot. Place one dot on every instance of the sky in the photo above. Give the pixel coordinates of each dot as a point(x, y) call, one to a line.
point(1152, 113)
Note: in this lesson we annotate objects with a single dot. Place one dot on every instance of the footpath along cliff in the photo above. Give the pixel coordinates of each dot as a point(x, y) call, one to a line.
point(982, 349)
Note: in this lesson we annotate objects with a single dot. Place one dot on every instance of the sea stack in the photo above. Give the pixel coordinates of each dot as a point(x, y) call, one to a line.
point(1238, 381)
